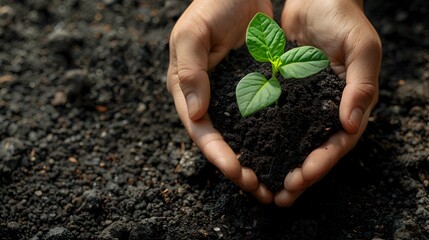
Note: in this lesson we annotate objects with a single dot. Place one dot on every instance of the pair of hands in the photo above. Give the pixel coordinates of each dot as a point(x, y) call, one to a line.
point(209, 29)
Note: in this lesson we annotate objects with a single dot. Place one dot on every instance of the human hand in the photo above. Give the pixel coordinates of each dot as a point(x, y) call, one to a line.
point(203, 35)
point(341, 29)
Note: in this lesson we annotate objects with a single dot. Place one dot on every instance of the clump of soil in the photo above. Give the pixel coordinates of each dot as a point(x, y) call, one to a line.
point(277, 139)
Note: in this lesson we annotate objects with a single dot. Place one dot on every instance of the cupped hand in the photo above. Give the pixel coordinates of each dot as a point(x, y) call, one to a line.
point(341, 29)
point(202, 36)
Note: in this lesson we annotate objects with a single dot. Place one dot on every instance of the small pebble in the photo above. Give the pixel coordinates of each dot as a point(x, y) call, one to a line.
point(59, 233)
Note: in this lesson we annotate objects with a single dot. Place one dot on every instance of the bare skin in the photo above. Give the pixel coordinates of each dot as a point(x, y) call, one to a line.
point(209, 29)
point(342, 31)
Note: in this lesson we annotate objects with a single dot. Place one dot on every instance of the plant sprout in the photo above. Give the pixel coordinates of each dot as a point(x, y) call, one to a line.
point(266, 42)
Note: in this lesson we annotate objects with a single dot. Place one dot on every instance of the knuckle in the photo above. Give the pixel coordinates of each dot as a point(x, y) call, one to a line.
point(375, 45)
point(368, 92)
point(186, 76)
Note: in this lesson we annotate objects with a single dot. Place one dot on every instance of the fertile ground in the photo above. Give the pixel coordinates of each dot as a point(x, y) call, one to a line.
point(91, 146)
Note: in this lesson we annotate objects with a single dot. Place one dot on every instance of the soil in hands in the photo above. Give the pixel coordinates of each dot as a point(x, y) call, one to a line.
point(277, 139)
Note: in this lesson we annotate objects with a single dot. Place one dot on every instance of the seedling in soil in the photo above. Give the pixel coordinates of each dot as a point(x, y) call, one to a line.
point(266, 42)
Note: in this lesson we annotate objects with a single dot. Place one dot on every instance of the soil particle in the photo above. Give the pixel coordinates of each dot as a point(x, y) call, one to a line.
point(59, 233)
point(118, 230)
point(191, 163)
point(11, 150)
point(7, 14)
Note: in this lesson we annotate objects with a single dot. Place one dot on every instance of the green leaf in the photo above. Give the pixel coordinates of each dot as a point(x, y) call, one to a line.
point(302, 62)
point(265, 40)
point(255, 92)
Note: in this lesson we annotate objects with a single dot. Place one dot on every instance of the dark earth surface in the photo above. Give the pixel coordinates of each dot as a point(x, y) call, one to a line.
point(275, 140)
point(91, 146)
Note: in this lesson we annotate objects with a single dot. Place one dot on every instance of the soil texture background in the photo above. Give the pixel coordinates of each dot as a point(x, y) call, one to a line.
point(91, 146)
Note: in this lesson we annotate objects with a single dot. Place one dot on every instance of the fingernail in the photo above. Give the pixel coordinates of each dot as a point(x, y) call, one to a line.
point(355, 118)
point(192, 103)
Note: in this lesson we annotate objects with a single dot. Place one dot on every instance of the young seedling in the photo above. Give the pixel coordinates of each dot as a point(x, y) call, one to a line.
point(266, 42)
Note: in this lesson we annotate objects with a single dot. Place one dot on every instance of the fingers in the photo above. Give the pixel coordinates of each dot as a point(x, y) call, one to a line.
point(188, 83)
point(324, 158)
point(294, 181)
point(317, 165)
point(249, 181)
point(285, 198)
point(207, 138)
point(363, 65)
point(294, 186)
point(216, 150)
point(221, 155)
point(192, 62)
point(263, 194)
point(198, 42)
point(213, 146)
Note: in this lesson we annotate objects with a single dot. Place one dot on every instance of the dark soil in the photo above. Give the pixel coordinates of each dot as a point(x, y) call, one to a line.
point(277, 139)
point(91, 146)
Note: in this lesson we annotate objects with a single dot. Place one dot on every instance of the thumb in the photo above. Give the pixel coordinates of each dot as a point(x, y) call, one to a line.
point(361, 91)
point(192, 65)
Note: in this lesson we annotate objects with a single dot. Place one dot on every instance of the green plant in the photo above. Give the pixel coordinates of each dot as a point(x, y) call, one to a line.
point(266, 42)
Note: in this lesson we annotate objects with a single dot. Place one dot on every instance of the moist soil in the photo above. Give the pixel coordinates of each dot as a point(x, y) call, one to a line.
point(275, 140)
point(91, 146)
